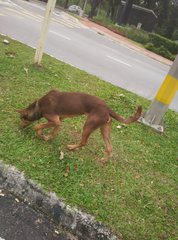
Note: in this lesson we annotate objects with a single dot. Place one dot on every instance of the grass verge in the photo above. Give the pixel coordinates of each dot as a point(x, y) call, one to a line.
point(135, 193)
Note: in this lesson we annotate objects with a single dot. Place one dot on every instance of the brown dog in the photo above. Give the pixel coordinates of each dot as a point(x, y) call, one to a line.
point(55, 106)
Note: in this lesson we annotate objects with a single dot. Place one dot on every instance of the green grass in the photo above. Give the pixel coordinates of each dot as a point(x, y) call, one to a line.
point(135, 193)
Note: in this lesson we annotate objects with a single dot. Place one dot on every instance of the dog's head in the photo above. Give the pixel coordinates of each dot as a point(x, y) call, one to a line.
point(29, 114)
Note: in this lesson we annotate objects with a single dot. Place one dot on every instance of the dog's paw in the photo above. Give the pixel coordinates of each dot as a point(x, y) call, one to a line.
point(46, 138)
point(39, 132)
point(72, 147)
point(103, 160)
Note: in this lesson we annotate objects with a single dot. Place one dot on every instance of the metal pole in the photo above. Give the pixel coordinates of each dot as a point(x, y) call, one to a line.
point(154, 115)
point(44, 30)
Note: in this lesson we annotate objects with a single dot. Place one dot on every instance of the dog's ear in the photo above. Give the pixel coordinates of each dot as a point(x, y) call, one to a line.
point(20, 111)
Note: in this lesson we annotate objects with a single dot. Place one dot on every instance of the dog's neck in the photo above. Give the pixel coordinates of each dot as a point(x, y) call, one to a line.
point(37, 116)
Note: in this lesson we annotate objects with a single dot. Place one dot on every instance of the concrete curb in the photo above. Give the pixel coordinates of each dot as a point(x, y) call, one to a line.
point(78, 223)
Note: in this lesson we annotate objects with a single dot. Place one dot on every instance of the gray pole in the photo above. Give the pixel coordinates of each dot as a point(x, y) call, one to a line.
point(154, 115)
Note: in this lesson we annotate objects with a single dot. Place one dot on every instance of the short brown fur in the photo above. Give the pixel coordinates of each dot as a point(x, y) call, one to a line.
point(56, 105)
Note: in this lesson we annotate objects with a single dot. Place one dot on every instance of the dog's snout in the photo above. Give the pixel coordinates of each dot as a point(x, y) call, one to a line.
point(24, 124)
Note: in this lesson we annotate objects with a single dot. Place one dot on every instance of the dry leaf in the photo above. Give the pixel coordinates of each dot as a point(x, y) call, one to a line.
point(66, 173)
point(121, 95)
point(11, 54)
point(1, 194)
point(26, 71)
point(76, 167)
point(57, 232)
point(6, 41)
point(61, 155)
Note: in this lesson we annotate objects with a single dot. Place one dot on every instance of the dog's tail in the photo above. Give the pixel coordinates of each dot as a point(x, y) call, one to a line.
point(131, 119)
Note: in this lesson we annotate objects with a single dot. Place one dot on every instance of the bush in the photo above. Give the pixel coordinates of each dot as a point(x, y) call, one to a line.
point(102, 20)
point(158, 41)
point(134, 34)
point(131, 32)
point(175, 35)
point(162, 51)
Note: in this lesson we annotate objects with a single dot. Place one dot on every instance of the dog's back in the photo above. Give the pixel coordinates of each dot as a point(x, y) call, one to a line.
point(70, 103)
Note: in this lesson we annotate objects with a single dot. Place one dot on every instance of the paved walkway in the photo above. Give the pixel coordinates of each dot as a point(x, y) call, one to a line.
point(125, 41)
point(18, 221)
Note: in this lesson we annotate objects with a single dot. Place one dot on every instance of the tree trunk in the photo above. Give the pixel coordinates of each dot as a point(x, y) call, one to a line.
point(94, 5)
point(66, 4)
point(126, 12)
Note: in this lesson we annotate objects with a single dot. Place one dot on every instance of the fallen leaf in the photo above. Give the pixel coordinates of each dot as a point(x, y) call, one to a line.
point(57, 232)
point(26, 71)
point(11, 54)
point(76, 167)
point(121, 95)
point(61, 155)
point(1, 194)
point(66, 173)
point(6, 41)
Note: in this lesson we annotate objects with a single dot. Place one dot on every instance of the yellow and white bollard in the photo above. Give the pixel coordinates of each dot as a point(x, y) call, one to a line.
point(154, 115)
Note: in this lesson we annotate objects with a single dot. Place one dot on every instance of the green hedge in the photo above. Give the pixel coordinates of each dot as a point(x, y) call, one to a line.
point(128, 31)
point(162, 51)
point(133, 33)
point(159, 41)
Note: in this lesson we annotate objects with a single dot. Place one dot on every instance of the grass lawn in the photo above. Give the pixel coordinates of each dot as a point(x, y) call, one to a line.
point(135, 193)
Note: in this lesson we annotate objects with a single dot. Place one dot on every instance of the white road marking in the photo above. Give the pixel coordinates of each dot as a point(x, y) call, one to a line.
point(64, 19)
point(60, 35)
point(24, 14)
point(120, 61)
point(109, 48)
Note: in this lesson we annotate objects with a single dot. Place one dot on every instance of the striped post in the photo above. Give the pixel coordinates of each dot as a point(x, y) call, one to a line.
point(154, 115)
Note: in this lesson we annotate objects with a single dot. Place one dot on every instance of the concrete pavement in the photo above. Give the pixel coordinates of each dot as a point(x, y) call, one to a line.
point(26, 212)
point(18, 221)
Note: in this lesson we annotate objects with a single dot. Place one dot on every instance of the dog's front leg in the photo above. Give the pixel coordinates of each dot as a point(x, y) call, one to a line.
point(56, 124)
point(39, 128)
point(53, 121)
point(52, 134)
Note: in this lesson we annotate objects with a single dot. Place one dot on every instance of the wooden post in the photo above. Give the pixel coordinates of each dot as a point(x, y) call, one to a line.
point(44, 30)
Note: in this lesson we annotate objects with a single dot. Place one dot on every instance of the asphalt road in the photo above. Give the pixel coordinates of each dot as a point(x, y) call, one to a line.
point(18, 221)
point(72, 42)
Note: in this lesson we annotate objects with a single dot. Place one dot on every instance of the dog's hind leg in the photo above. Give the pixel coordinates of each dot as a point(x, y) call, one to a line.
point(105, 131)
point(92, 123)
